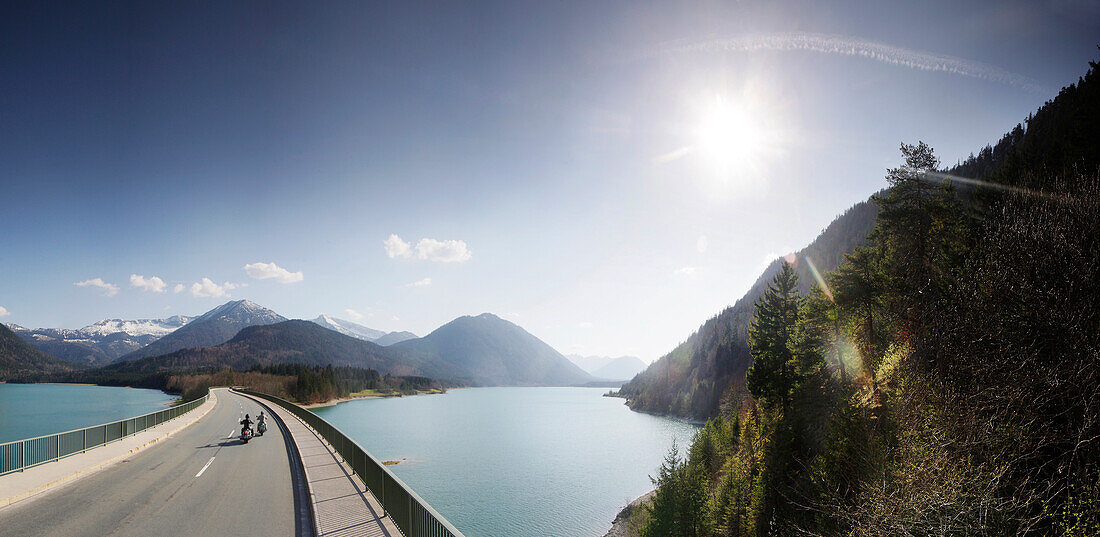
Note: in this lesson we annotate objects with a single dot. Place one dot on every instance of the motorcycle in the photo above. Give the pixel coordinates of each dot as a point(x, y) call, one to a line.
point(261, 428)
point(246, 435)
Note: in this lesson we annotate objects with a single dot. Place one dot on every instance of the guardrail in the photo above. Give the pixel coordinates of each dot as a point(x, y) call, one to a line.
point(22, 454)
point(412, 515)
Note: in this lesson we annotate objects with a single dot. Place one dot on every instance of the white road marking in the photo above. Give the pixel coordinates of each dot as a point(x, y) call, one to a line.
point(205, 467)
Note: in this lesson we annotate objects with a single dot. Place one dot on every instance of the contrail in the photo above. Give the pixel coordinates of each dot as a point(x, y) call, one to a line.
point(851, 46)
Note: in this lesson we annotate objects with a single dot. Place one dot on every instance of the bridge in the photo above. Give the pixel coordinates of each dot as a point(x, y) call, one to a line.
point(183, 471)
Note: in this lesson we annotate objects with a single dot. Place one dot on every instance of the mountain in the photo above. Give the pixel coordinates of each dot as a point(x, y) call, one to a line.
point(19, 359)
point(359, 331)
point(589, 363)
point(297, 341)
point(493, 351)
point(692, 380)
point(349, 328)
point(606, 367)
point(483, 350)
point(621, 368)
point(102, 342)
point(395, 337)
point(211, 328)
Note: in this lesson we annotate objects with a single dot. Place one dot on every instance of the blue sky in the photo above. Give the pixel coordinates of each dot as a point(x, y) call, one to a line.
point(560, 159)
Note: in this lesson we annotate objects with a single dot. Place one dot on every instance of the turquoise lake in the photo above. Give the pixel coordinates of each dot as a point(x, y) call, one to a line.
point(29, 410)
point(516, 462)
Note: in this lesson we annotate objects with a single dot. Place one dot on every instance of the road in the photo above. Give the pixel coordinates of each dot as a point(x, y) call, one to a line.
point(201, 481)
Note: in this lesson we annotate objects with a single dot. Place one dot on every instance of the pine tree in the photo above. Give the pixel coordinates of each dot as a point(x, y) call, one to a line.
point(859, 287)
point(771, 377)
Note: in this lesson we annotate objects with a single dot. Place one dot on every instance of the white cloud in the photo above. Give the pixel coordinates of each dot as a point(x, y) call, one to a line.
point(420, 283)
point(207, 288)
point(353, 314)
point(395, 247)
point(4, 312)
point(264, 271)
point(686, 271)
point(151, 283)
point(179, 288)
point(446, 251)
point(701, 244)
point(449, 251)
point(585, 324)
point(853, 46)
point(109, 289)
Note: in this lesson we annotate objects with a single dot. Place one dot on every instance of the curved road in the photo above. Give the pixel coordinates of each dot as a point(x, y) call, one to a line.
point(201, 481)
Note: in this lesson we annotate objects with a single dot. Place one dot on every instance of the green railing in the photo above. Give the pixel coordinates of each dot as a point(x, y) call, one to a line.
point(412, 515)
point(21, 454)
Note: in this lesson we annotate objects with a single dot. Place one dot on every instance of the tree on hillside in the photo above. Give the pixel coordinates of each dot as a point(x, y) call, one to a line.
point(921, 235)
point(859, 288)
point(771, 377)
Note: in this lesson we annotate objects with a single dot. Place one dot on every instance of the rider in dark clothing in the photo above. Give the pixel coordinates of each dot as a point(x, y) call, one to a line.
point(246, 423)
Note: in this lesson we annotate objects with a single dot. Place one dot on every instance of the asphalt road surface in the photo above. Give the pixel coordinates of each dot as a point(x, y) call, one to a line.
point(201, 481)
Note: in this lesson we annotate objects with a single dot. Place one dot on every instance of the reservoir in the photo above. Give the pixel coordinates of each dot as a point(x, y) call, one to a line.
point(505, 462)
point(29, 410)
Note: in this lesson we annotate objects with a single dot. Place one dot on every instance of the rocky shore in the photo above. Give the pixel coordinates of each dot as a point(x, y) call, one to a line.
point(626, 522)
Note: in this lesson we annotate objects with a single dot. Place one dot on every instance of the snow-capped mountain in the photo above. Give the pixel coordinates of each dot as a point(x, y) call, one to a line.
point(348, 328)
point(359, 331)
point(140, 327)
point(101, 342)
point(211, 328)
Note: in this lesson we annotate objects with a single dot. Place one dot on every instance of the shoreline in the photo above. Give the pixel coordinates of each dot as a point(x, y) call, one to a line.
point(338, 400)
point(620, 527)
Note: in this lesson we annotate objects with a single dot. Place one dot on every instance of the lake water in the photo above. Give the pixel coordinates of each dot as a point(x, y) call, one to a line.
point(29, 410)
point(514, 462)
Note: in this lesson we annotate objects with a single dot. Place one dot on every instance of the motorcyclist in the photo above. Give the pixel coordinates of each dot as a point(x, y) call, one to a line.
point(260, 418)
point(246, 423)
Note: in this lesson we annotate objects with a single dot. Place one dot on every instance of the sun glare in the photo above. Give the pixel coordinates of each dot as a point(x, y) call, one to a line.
point(729, 137)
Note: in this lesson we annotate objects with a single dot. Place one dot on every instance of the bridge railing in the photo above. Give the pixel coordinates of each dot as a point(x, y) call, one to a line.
point(412, 515)
point(21, 454)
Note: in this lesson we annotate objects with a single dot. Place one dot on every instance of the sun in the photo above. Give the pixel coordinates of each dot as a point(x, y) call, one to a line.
point(729, 137)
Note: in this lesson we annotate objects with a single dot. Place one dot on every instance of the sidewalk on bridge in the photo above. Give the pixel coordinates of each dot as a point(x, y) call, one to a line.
point(342, 505)
point(19, 486)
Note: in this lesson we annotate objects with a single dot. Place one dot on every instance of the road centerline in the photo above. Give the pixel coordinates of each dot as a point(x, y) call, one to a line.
point(205, 467)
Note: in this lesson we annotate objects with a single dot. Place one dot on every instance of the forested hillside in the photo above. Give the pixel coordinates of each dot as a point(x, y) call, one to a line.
point(709, 367)
point(18, 360)
point(943, 380)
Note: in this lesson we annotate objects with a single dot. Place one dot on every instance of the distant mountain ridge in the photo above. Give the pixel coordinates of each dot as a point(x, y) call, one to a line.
point(294, 341)
point(356, 330)
point(211, 328)
point(102, 342)
point(622, 368)
point(348, 328)
point(606, 367)
point(494, 351)
point(482, 350)
point(395, 337)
